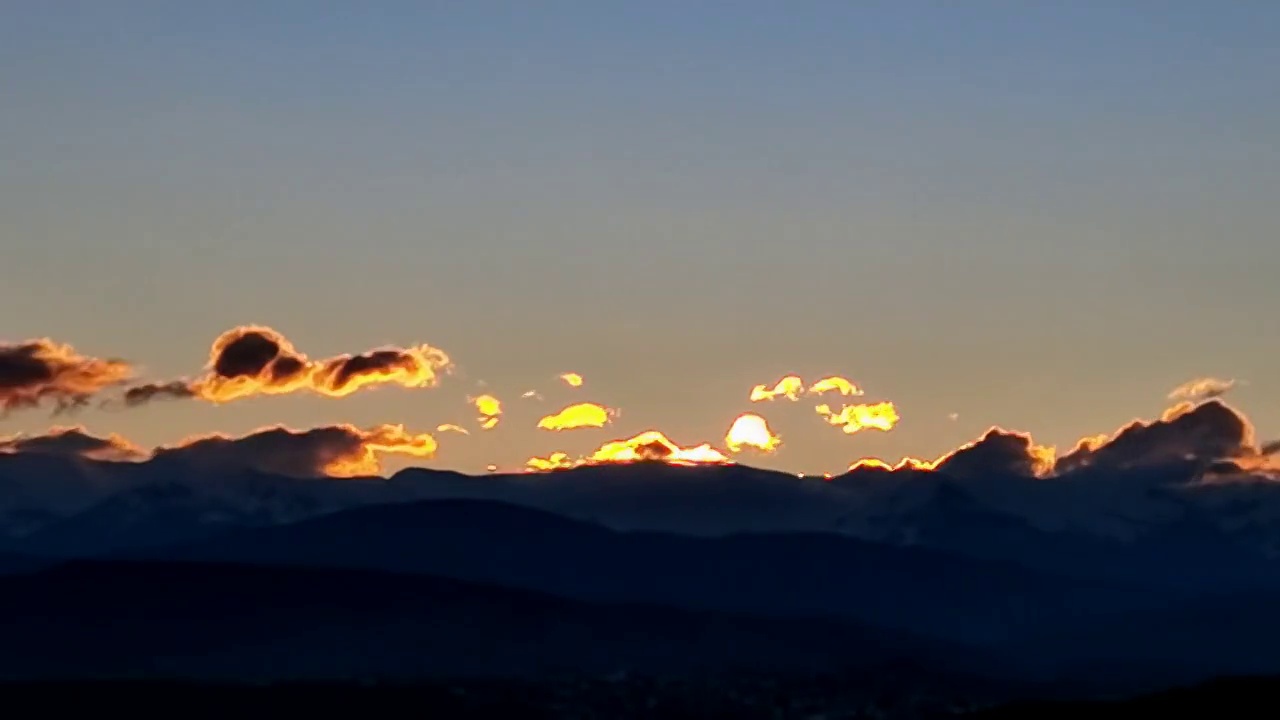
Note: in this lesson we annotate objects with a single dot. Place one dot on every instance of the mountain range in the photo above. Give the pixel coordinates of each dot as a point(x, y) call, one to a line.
point(115, 619)
point(135, 569)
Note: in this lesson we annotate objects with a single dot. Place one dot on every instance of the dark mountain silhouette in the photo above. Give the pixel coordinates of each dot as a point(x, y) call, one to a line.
point(1162, 584)
point(1168, 643)
point(38, 489)
point(1185, 552)
point(155, 514)
point(170, 507)
point(90, 619)
point(19, 564)
point(1137, 527)
point(651, 495)
point(1234, 697)
point(813, 574)
point(902, 692)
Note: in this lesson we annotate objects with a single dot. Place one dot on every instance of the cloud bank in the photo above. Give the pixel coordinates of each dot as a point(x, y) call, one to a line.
point(1202, 439)
point(1199, 437)
point(332, 450)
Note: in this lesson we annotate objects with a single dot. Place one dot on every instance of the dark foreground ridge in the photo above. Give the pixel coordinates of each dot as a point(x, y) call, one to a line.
point(745, 696)
point(915, 585)
point(623, 697)
point(218, 622)
point(1242, 697)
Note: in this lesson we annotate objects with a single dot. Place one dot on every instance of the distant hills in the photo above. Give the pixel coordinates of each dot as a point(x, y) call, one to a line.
point(1234, 697)
point(141, 570)
point(781, 575)
point(115, 619)
point(1140, 526)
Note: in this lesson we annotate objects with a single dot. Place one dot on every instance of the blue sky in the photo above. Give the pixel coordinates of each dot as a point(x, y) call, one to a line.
point(1039, 215)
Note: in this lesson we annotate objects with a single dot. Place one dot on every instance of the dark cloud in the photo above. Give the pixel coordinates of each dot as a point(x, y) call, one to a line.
point(37, 371)
point(339, 450)
point(74, 441)
point(654, 451)
point(1204, 433)
point(1000, 453)
point(1189, 440)
point(285, 367)
point(336, 450)
point(339, 373)
point(249, 352)
point(256, 360)
point(141, 394)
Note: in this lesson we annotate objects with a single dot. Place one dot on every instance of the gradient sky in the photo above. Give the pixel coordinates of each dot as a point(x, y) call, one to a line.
point(1038, 215)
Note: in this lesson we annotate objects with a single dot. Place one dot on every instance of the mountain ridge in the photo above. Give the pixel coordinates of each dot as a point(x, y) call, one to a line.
point(821, 574)
point(228, 621)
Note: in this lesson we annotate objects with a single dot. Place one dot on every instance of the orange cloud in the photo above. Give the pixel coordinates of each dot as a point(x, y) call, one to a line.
point(554, 461)
point(835, 383)
point(906, 463)
point(853, 418)
point(335, 450)
point(580, 415)
point(256, 360)
point(35, 371)
point(653, 445)
point(790, 387)
point(490, 410)
point(751, 430)
point(650, 445)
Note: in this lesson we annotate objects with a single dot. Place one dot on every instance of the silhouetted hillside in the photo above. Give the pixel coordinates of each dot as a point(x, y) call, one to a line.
point(13, 564)
point(1170, 644)
point(899, 693)
point(921, 590)
point(1031, 622)
point(1139, 526)
point(1244, 697)
point(120, 619)
point(156, 504)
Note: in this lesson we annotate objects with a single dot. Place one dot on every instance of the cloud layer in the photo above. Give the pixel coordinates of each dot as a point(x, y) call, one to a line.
point(1200, 436)
point(1208, 438)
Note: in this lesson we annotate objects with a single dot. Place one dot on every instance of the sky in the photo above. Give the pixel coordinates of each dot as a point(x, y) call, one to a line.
point(1042, 216)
